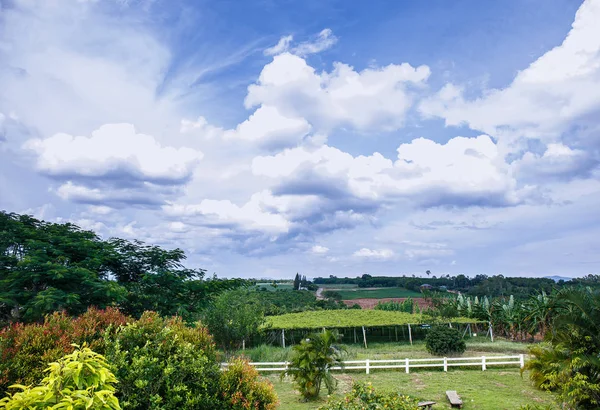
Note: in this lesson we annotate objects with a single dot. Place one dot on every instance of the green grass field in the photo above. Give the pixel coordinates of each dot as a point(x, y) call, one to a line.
point(340, 286)
point(378, 293)
point(279, 286)
point(494, 389)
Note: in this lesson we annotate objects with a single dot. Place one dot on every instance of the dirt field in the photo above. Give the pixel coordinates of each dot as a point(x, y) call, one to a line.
point(369, 303)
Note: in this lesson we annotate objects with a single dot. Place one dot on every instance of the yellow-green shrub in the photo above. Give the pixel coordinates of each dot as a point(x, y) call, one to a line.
point(240, 388)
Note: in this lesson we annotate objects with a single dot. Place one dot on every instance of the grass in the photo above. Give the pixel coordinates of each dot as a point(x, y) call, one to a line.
point(329, 286)
point(378, 293)
point(280, 286)
point(475, 347)
point(493, 389)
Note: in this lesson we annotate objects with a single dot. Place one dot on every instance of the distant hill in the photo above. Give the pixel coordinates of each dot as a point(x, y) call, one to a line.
point(556, 278)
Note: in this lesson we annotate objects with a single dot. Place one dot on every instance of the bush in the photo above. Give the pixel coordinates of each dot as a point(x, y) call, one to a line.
point(443, 340)
point(25, 349)
point(241, 389)
point(163, 364)
point(363, 396)
point(78, 381)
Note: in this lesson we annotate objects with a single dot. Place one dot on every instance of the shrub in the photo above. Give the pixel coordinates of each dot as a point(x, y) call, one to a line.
point(443, 340)
point(163, 364)
point(25, 349)
point(363, 396)
point(240, 388)
point(310, 363)
point(80, 380)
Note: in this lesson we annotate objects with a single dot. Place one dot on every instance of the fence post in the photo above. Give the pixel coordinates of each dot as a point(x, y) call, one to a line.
point(409, 334)
point(491, 332)
point(364, 336)
point(522, 360)
point(407, 366)
point(445, 364)
point(283, 338)
point(483, 363)
point(367, 366)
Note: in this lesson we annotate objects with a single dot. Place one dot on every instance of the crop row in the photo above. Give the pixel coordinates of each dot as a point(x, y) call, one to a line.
point(351, 318)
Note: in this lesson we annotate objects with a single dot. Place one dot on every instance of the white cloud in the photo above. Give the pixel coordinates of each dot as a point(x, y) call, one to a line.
point(557, 94)
point(557, 161)
point(319, 249)
point(374, 253)
point(324, 40)
point(375, 98)
point(282, 45)
point(268, 128)
point(464, 171)
point(113, 150)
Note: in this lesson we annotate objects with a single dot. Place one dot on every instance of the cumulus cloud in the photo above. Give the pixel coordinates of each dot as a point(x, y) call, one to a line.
point(372, 99)
point(554, 99)
point(558, 161)
point(374, 253)
point(113, 151)
point(462, 172)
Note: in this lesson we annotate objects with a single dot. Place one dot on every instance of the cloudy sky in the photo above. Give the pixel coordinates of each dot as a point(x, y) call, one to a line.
point(323, 137)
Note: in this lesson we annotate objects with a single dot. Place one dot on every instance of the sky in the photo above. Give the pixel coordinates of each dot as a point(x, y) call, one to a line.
point(322, 137)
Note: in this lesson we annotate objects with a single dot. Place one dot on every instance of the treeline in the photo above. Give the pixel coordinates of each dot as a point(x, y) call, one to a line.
point(480, 285)
point(48, 267)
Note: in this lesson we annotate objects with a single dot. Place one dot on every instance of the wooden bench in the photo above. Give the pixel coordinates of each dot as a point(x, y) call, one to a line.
point(425, 404)
point(455, 400)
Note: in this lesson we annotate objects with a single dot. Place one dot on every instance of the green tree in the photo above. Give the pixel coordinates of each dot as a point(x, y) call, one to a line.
point(297, 282)
point(79, 381)
point(569, 363)
point(311, 361)
point(234, 317)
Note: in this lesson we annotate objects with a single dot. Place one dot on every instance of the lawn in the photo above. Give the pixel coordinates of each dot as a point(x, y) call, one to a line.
point(378, 293)
point(493, 389)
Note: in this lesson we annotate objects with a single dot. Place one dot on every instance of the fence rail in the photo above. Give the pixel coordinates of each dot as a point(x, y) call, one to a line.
point(483, 361)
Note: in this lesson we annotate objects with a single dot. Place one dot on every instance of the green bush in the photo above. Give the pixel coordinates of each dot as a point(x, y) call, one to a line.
point(240, 388)
point(80, 380)
point(26, 349)
point(443, 340)
point(363, 397)
point(163, 364)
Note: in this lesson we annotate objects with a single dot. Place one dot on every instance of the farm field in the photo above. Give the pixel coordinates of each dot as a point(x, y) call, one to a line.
point(340, 286)
point(493, 389)
point(279, 286)
point(378, 293)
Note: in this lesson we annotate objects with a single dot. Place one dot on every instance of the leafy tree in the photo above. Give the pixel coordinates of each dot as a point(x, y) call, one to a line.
point(46, 267)
point(79, 381)
point(570, 363)
point(234, 317)
point(311, 360)
point(297, 282)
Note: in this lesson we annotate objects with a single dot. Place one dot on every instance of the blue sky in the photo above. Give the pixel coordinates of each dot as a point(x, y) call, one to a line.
point(323, 137)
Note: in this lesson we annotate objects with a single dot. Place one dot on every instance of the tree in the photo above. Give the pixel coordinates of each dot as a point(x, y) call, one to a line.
point(570, 363)
point(428, 272)
point(297, 282)
point(234, 317)
point(311, 360)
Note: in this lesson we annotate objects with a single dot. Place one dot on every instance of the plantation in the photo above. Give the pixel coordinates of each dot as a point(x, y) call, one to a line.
point(360, 293)
point(351, 318)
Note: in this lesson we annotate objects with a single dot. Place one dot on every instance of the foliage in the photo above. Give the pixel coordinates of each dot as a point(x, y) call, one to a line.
point(241, 388)
point(364, 397)
point(406, 305)
point(164, 364)
point(280, 302)
point(233, 317)
point(391, 292)
point(48, 267)
point(332, 294)
point(444, 340)
point(570, 363)
point(349, 318)
point(25, 349)
point(311, 360)
point(80, 380)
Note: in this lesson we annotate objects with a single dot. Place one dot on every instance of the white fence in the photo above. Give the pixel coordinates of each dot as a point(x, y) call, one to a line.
point(445, 362)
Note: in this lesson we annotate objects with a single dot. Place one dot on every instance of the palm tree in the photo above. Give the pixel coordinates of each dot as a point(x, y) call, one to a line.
point(311, 360)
